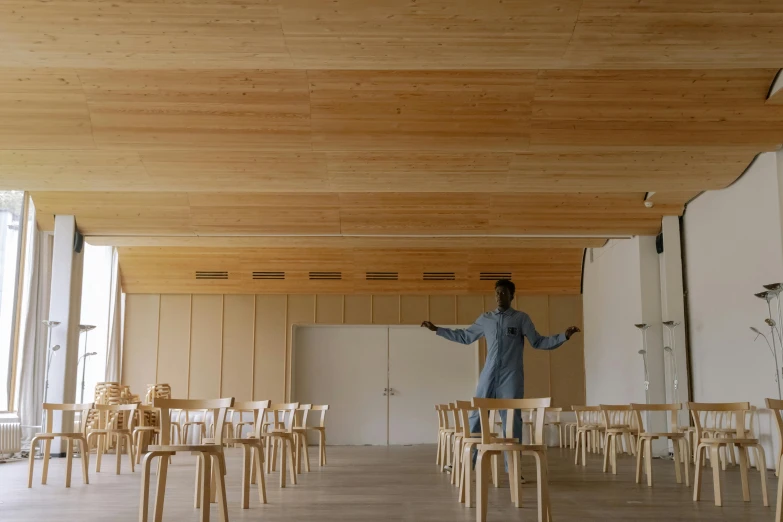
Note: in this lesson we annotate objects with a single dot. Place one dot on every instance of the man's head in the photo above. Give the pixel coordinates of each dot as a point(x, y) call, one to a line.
point(504, 293)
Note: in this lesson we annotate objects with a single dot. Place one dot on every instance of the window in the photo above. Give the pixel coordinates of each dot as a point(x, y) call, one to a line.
point(11, 203)
point(96, 295)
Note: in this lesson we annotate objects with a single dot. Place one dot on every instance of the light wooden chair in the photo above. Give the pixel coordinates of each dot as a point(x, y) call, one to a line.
point(616, 426)
point(644, 445)
point(300, 437)
point(445, 436)
point(321, 430)
point(555, 423)
point(68, 437)
point(488, 447)
point(147, 431)
point(239, 423)
point(280, 434)
point(570, 431)
point(252, 450)
point(713, 444)
point(776, 406)
point(586, 430)
point(208, 455)
point(110, 418)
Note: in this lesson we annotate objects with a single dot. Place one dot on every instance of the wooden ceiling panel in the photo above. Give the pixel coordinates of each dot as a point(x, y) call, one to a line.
point(248, 213)
point(117, 212)
point(429, 110)
point(644, 110)
point(577, 213)
point(232, 110)
point(123, 34)
point(43, 110)
point(415, 214)
point(427, 34)
point(670, 34)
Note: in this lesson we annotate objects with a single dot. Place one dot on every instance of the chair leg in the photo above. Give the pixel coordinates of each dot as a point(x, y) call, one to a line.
point(322, 446)
point(68, 462)
point(290, 442)
point(606, 453)
point(130, 452)
point(259, 472)
point(516, 483)
point(206, 480)
point(576, 455)
point(99, 451)
point(761, 458)
point(639, 453)
point(743, 462)
point(686, 461)
point(31, 462)
point(482, 485)
point(306, 452)
point(716, 485)
point(197, 496)
point(697, 473)
point(220, 465)
point(676, 453)
point(85, 459)
point(648, 462)
point(495, 475)
point(779, 503)
point(467, 458)
point(544, 507)
point(160, 490)
point(47, 452)
point(118, 451)
point(144, 501)
point(282, 458)
point(246, 450)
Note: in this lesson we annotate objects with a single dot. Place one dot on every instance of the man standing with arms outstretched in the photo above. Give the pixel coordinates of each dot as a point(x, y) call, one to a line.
point(503, 376)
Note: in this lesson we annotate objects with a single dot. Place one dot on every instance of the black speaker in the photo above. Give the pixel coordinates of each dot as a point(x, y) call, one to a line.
point(659, 243)
point(78, 242)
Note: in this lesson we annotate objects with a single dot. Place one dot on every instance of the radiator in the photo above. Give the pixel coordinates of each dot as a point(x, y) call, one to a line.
point(10, 434)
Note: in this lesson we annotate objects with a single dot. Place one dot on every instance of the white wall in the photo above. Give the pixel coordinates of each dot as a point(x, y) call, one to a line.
point(733, 247)
point(617, 294)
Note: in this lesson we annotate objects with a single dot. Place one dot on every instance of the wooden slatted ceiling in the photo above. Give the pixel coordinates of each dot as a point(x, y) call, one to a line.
point(391, 34)
point(172, 270)
point(172, 213)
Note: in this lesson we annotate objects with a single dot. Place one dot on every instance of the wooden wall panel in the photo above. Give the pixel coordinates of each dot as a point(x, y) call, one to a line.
point(536, 361)
point(139, 352)
point(386, 309)
point(238, 347)
point(567, 370)
point(443, 310)
point(301, 310)
point(358, 309)
point(469, 308)
point(414, 309)
point(329, 309)
point(270, 348)
point(174, 343)
point(206, 346)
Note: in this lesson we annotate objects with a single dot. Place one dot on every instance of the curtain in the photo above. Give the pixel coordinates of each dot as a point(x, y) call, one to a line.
point(114, 344)
point(33, 358)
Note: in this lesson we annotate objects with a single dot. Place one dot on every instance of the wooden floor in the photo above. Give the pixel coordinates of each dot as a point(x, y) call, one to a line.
point(379, 483)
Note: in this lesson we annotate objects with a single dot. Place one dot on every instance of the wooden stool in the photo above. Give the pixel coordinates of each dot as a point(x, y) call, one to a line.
point(69, 437)
point(644, 446)
point(110, 416)
point(488, 448)
point(208, 455)
point(321, 430)
point(252, 450)
point(714, 444)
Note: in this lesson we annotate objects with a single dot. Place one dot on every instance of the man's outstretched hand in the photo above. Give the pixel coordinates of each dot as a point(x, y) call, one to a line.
point(429, 326)
point(570, 331)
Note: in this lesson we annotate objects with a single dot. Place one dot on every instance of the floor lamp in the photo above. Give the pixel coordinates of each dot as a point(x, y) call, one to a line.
point(85, 328)
point(672, 351)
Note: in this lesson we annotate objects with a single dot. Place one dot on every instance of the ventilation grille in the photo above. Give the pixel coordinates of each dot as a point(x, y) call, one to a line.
point(382, 276)
point(269, 275)
point(439, 276)
point(326, 276)
point(211, 275)
point(494, 276)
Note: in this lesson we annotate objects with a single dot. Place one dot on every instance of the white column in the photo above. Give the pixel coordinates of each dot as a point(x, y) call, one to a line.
point(65, 307)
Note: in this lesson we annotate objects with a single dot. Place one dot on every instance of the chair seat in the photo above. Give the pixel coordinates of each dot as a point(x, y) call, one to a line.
point(187, 447)
point(655, 435)
point(247, 440)
point(511, 447)
point(53, 435)
point(146, 428)
point(107, 430)
point(729, 441)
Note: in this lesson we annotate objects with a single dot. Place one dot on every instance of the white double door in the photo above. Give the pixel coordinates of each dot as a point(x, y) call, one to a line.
point(381, 382)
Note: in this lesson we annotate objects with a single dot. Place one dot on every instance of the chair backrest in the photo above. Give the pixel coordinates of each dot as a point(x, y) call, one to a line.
point(456, 417)
point(148, 415)
point(583, 414)
point(283, 415)
point(323, 408)
point(300, 416)
point(51, 407)
point(554, 412)
point(776, 405)
point(673, 410)
point(464, 408)
point(616, 415)
point(258, 408)
point(486, 405)
point(217, 406)
point(443, 412)
point(110, 414)
point(737, 409)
